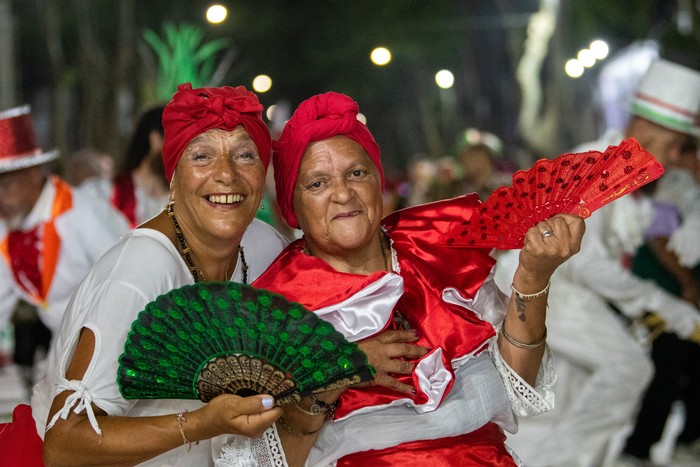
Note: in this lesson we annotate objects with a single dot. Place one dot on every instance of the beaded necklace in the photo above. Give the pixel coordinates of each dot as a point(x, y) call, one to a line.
point(186, 252)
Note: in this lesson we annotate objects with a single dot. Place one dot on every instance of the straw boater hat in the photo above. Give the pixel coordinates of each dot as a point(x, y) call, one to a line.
point(669, 95)
point(18, 148)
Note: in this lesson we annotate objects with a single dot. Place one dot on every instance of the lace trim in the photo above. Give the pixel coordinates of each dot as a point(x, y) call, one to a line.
point(265, 451)
point(82, 397)
point(237, 453)
point(524, 399)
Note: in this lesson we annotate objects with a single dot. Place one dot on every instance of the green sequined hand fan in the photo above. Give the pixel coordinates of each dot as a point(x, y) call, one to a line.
point(210, 338)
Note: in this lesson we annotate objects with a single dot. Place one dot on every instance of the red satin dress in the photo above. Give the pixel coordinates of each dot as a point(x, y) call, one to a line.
point(428, 266)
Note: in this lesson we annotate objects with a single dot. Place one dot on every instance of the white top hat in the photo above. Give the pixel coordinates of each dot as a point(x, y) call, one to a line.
point(669, 95)
point(18, 148)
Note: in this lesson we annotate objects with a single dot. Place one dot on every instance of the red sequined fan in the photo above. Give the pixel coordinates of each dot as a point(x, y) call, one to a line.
point(576, 183)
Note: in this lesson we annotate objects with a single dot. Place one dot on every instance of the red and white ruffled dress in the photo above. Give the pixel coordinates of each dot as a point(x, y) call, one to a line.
point(465, 393)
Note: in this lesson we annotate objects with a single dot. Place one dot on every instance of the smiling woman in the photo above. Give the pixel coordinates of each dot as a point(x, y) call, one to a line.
point(216, 191)
point(427, 315)
point(338, 203)
point(216, 152)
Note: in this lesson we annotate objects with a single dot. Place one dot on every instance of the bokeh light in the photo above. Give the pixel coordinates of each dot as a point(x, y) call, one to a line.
point(445, 79)
point(216, 14)
point(380, 56)
point(573, 68)
point(599, 49)
point(586, 58)
point(262, 83)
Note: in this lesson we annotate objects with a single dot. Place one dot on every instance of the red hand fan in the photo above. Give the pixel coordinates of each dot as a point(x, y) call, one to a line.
point(577, 183)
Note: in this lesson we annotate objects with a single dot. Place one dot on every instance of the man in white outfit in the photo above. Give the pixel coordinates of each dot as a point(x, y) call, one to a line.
point(603, 371)
point(50, 233)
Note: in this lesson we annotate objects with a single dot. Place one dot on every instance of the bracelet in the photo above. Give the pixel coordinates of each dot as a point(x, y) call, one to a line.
point(294, 431)
point(523, 345)
point(318, 407)
point(524, 296)
point(181, 418)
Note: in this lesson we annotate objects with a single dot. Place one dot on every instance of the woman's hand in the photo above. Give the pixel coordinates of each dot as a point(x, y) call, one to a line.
point(229, 414)
point(387, 353)
point(548, 244)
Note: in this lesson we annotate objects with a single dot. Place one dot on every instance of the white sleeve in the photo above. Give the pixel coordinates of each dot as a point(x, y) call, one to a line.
point(98, 385)
point(678, 187)
point(490, 303)
point(685, 241)
point(107, 302)
point(631, 294)
point(524, 399)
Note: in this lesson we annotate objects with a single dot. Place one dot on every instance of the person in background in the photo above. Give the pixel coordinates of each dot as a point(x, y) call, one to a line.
point(215, 155)
point(677, 362)
point(51, 234)
point(689, 159)
point(139, 190)
point(445, 182)
point(665, 111)
point(479, 171)
point(88, 164)
point(476, 361)
point(422, 172)
point(603, 370)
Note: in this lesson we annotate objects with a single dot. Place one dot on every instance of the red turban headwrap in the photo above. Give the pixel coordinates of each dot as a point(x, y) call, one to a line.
point(320, 117)
point(191, 112)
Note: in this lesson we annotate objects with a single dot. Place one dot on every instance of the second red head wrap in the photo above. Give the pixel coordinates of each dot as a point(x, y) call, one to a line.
point(191, 112)
point(317, 118)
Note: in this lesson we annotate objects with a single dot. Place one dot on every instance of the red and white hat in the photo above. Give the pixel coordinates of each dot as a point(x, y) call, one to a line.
point(18, 148)
point(669, 95)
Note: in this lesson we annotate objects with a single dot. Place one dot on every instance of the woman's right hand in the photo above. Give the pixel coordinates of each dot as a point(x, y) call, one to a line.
point(229, 414)
point(388, 352)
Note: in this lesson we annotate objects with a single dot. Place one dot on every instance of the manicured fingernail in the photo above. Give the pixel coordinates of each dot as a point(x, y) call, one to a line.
point(416, 332)
point(413, 391)
point(268, 402)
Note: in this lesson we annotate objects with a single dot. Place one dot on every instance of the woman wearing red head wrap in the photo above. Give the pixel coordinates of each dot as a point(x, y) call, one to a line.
point(382, 281)
point(215, 153)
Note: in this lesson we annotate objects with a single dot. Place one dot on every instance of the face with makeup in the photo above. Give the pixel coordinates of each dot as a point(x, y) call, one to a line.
point(338, 198)
point(218, 184)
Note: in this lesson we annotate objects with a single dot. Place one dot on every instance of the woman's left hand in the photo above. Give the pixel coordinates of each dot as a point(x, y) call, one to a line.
point(389, 352)
point(548, 244)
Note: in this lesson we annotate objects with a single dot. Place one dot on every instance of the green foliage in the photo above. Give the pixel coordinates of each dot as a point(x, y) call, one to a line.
point(182, 57)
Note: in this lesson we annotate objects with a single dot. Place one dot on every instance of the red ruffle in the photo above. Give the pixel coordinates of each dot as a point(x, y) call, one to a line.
point(484, 446)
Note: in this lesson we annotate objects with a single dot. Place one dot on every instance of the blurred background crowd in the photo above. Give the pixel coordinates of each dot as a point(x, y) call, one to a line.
point(459, 95)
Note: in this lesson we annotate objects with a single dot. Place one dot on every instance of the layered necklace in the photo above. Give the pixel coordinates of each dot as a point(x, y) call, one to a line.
point(186, 252)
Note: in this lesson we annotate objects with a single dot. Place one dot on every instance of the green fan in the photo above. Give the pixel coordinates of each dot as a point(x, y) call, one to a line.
point(211, 338)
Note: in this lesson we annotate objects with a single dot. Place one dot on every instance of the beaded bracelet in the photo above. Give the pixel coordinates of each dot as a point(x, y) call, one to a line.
point(319, 407)
point(531, 296)
point(181, 418)
point(523, 345)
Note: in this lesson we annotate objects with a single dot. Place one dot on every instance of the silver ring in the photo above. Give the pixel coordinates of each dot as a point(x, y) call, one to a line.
point(547, 233)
